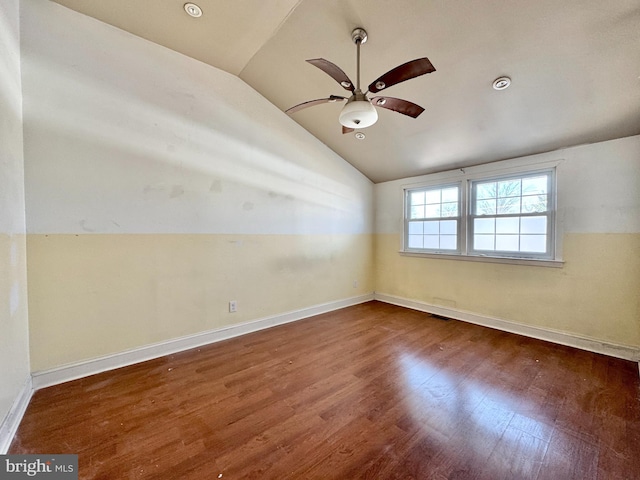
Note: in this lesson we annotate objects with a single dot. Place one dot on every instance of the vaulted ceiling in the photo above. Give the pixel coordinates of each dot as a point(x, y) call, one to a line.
point(574, 65)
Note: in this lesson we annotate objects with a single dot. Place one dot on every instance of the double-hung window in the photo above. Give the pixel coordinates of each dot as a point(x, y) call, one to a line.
point(433, 219)
point(498, 216)
point(512, 216)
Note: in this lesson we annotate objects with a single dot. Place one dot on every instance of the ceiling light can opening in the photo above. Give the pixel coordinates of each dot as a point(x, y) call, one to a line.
point(193, 10)
point(501, 83)
point(360, 135)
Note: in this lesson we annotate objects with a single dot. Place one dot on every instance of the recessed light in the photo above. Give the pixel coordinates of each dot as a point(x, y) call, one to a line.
point(360, 135)
point(501, 83)
point(193, 10)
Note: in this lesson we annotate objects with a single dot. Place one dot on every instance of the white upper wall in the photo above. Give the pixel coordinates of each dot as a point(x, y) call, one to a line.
point(598, 188)
point(125, 136)
point(14, 328)
point(12, 218)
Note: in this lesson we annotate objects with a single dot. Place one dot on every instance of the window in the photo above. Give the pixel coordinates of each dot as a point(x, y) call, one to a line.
point(506, 216)
point(433, 219)
point(512, 216)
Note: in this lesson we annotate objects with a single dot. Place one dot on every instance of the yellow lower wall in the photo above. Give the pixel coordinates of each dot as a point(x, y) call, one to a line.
point(92, 295)
point(14, 335)
point(595, 295)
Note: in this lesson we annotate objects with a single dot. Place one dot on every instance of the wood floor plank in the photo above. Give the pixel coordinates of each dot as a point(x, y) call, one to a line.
point(372, 391)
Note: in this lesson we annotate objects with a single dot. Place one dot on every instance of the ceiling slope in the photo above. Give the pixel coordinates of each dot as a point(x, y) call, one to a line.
point(574, 65)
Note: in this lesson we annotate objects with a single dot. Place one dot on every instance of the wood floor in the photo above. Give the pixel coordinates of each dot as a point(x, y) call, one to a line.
point(372, 391)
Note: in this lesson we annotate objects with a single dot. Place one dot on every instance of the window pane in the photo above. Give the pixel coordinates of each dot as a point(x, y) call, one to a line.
point(507, 243)
point(432, 211)
point(484, 225)
point(448, 242)
point(449, 227)
point(432, 196)
point(508, 205)
point(449, 209)
point(431, 241)
point(486, 207)
point(450, 194)
point(509, 188)
point(533, 185)
point(417, 211)
point(415, 241)
point(415, 228)
point(508, 225)
point(483, 242)
point(534, 203)
point(431, 228)
point(417, 198)
point(534, 225)
point(533, 243)
point(486, 190)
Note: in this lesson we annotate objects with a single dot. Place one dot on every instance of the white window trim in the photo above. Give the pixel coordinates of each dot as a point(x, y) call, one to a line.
point(465, 176)
point(460, 218)
point(549, 214)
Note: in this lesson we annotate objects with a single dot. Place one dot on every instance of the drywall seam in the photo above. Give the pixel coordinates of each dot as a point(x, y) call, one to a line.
point(77, 370)
point(597, 346)
point(12, 421)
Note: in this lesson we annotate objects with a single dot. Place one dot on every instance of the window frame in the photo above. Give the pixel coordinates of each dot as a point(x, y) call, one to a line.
point(550, 215)
point(458, 218)
point(478, 174)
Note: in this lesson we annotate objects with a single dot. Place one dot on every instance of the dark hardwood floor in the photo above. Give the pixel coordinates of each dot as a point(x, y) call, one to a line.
point(371, 391)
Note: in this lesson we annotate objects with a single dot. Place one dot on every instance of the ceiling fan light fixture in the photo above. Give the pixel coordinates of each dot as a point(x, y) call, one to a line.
point(358, 114)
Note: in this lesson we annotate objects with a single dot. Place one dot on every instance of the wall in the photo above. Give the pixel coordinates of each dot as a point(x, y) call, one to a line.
point(159, 188)
point(596, 295)
point(14, 346)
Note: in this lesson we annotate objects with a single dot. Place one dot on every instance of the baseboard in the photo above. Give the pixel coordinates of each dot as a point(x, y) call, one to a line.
point(597, 346)
point(10, 424)
point(82, 369)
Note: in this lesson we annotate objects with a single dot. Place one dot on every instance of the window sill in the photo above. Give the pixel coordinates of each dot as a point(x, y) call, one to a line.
point(486, 259)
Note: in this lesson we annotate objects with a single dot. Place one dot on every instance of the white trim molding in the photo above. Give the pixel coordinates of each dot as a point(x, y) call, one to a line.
point(65, 373)
point(10, 424)
point(625, 352)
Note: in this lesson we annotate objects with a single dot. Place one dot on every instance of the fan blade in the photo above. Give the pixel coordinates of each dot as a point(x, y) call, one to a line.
point(334, 72)
point(398, 105)
point(404, 72)
point(311, 103)
point(346, 130)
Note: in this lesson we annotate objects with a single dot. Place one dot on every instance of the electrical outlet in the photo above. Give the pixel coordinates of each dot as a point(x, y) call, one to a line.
point(355, 284)
point(233, 306)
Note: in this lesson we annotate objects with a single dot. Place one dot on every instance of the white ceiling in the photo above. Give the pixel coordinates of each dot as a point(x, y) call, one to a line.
point(574, 64)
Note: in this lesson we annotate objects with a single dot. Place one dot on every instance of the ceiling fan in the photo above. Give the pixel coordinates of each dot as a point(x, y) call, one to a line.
point(359, 111)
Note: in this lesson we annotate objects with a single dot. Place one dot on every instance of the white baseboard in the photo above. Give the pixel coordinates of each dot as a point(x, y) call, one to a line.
point(10, 424)
point(85, 368)
point(598, 346)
